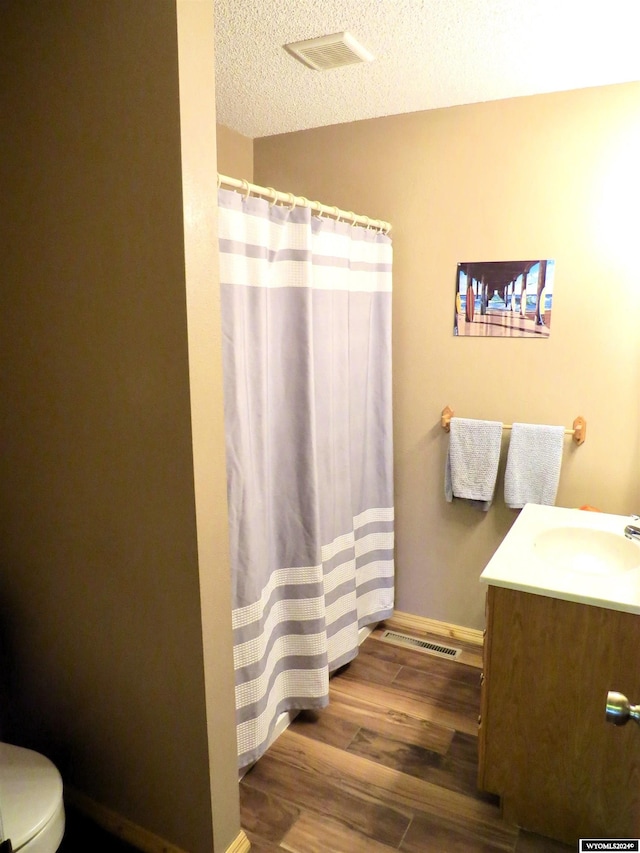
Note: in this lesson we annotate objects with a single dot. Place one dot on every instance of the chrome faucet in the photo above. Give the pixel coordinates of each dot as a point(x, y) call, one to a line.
point(632, 531)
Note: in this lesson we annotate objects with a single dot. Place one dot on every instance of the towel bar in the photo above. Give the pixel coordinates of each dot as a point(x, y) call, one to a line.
point(579, 430)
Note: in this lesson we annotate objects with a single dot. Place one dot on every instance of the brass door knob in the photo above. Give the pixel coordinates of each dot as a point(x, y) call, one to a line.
point(619, 710)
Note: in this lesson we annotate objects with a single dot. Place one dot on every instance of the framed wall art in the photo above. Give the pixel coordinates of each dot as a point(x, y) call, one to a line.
point(512, 299)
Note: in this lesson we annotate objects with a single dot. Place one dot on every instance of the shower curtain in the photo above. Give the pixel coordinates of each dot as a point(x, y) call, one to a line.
point(306, 314)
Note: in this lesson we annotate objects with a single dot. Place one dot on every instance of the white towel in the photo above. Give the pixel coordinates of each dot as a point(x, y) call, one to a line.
point(533, 465)
point(472, 461)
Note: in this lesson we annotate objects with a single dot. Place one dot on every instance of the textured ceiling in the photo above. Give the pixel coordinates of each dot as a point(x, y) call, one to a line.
point(429, 54)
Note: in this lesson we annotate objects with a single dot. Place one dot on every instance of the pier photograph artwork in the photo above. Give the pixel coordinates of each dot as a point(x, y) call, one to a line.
point(504, 298)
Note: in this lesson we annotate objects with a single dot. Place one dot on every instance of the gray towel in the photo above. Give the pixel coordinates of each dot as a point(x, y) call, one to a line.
point(533, 465)
point(471, 469)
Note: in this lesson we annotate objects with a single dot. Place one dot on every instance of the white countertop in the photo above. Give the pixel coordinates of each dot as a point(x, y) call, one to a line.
point(570, 554)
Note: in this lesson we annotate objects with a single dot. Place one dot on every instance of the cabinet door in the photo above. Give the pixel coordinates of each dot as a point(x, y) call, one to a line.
point(483, 783)
point(560, 769)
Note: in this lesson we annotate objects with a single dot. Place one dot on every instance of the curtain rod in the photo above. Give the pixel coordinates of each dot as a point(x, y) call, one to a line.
point(300, 201)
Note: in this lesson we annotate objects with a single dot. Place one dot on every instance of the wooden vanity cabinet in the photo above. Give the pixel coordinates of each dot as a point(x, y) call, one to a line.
point(544, 745)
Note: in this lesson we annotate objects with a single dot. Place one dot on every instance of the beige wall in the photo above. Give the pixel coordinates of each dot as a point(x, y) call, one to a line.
point(553, 176)
point(101, 539)
point(199, 181)
point(235, 154)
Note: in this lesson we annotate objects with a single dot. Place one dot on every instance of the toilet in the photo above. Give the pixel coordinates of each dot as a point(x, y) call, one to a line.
point(31, 805)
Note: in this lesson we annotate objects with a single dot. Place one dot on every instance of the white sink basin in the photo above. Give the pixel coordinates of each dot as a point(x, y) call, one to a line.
point(587, 550)
point(569, 554)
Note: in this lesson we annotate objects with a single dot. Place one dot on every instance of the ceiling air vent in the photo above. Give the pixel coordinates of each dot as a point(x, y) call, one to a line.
point(329, 51)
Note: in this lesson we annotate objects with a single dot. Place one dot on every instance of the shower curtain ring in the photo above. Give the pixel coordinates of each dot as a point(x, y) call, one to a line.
point(292, 201)
point(336, 213)
point(352, 216)
point(246, 188)
point(274, 196)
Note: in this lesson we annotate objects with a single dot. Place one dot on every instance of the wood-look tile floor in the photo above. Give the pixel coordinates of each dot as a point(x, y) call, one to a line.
point(390, 764)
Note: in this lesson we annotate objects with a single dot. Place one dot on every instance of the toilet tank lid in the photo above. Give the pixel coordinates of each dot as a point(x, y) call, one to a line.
point(30, 792)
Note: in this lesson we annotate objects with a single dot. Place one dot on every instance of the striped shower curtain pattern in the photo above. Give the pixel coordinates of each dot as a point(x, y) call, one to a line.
point(306, 313)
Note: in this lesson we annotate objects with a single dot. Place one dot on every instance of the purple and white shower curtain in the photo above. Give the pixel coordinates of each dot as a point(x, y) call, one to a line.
point(306, 313)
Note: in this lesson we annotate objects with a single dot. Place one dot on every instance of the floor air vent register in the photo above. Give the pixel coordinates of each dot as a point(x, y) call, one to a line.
point(421, 645)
